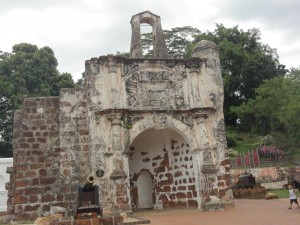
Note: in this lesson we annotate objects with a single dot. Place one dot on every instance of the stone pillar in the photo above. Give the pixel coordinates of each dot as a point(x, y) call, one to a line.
point(207, 176)
point(160, 50)
point(118, 169)
point(118, 175)
point(136, 43)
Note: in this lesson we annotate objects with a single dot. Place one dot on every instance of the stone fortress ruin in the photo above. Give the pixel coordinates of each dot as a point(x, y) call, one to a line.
point(151, 132)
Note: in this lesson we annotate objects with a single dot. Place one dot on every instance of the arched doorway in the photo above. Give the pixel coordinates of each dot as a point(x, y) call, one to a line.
point(145, 190)
point(162, 171)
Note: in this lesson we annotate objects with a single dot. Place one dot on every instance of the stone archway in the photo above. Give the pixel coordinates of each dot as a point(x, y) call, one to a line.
point(167, 156)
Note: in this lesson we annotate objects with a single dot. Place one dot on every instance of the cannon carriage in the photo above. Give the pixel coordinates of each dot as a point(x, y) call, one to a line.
point(87, 199)
point(246, 181)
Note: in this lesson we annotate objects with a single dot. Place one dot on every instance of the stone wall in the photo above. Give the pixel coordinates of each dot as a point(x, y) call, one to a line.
point(35, 180)
point(168, 158)
point(270, 177)
point(157, 119)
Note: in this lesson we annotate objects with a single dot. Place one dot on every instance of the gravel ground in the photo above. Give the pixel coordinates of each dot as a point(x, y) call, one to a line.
point(245, 212)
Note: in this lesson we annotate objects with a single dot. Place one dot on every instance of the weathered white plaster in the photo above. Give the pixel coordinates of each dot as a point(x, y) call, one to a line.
point(4, 178)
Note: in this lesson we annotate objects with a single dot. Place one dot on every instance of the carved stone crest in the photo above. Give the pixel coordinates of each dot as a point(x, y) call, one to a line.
point(148, 89)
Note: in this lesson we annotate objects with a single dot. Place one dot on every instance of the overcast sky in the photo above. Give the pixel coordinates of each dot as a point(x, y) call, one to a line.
point(78, 30)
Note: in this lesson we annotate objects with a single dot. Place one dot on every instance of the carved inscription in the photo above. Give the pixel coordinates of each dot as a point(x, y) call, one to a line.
point(148, 89)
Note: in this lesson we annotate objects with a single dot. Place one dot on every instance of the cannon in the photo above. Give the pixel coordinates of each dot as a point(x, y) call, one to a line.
point(88, 184)
point(87, 199)
point(246, 181)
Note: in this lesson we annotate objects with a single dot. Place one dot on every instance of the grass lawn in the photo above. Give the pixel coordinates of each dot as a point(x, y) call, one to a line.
point(282, 193)
point(246, 142)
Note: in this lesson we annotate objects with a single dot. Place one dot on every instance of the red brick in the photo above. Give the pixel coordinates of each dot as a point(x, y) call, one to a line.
point(22, 183)
point(29, 208)
point(86, 221)
point(180, 195)
point(44, 127)
point(48, 198)
point(157, 157)
point(45, 181)
point(36, 166)
point(32, 191)
point(166, 189)
point(225, 162)
point(20, 200)
point(178, 174)
point(21, 167)
point(182, 188)
point(35, 145)
point(46, 208)
point(226, 177)
point(43, 172)
point(169, 176)
point(37, 152)
point(192, 187)
point(181, 204)
point(22, 217)
point(24, 145)
point(159, 169)
point(31, 140)
point(83, 132)
point(41, 159)
point(59, 198)
point(33, 199)
point(31, 174)
point(35, 181)
point(27, 134)
point(19, 192)
point(41, 140)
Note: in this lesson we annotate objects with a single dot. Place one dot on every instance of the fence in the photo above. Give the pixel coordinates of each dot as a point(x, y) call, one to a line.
point(252, 159)
point(274, 184)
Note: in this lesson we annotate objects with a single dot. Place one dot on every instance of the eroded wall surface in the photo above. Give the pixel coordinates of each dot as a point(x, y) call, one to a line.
point(162, 117)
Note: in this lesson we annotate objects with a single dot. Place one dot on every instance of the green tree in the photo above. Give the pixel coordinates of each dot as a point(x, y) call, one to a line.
point(275, 110)
point(177, 40)
point(28, 71)
point(245, 63)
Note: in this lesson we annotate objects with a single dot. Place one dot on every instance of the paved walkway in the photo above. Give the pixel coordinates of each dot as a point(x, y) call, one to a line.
point(245, 212)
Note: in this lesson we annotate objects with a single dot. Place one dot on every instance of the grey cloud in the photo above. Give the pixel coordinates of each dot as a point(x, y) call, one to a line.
point(9, 5)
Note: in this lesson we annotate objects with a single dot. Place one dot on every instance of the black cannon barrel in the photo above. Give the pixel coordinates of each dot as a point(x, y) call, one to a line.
point(88, 184)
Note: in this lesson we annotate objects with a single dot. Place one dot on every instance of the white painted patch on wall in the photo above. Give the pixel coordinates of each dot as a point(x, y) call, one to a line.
point(4, 178)
point(144, 184)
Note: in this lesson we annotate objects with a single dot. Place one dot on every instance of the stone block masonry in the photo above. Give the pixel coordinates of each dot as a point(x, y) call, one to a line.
point(151, 132)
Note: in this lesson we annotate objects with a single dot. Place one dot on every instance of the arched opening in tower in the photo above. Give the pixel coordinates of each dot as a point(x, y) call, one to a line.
point(162, 173)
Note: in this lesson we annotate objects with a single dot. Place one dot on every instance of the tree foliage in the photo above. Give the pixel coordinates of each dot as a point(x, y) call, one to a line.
point(275, 109)
point(177, 40)
point(28, 71)
point(245, 63)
